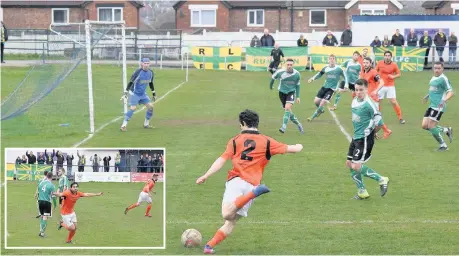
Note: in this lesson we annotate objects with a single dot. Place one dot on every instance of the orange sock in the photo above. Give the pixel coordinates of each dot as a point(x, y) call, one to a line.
point(148, 209)
point(244, 199)
point(71, 234)
point(398, 110)
point(385, 129)
point(218, 238)
point(132, 206)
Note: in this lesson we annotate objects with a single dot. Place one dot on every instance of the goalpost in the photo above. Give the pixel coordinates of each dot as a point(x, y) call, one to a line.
point(94, 32)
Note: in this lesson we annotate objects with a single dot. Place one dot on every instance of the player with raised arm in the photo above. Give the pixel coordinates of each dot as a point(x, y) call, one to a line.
point(250, 152)
point(389, 71)
point(69, 219)
point(37, 192)
point(46, 188)
point(332, 74)
point(276, 54)
point(440, 91)
point(63, 183)
point(375, 84)
point(289, 89)
point(352, 69)
point(366, 120)
point(145, 196)
point(137, 89)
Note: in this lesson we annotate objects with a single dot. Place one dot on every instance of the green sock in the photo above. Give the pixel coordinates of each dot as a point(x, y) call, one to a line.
point(294, 119)
point(286, 118)
point(337, 98)
point(368, 172)
point(357, 178)
point(318, 111)
point(42, 225)
point(442, 129)
point(437, 135)
point(317, 104)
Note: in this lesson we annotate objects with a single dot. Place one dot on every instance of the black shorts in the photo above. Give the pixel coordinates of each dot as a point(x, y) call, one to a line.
point(44, 208)
point(325, 93)
point(274, 64)
point(287, 98)
point(433, 114)
point(351, 86)
point(360, 149)
point(60, 200)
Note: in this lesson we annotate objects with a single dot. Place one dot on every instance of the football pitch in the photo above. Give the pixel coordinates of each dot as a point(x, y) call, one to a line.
point(309, 210)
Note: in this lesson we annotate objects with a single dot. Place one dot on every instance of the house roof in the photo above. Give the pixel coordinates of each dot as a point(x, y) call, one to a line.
point(432, 4)
point(324, 4)
point(394, 2)
point(50, 4)
point(256, 4)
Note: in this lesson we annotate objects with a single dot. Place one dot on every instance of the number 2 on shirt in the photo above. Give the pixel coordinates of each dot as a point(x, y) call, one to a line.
point(244, 154)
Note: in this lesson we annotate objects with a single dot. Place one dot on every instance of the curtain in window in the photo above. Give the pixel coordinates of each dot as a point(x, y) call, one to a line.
point(105, 14)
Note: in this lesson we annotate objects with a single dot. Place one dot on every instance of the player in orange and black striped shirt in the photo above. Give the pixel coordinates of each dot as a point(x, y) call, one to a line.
point(250, 152)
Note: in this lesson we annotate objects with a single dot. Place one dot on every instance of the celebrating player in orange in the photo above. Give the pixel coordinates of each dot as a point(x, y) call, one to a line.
point(250, 152)
point(69, 219)
point(145, 196)
point(389, 71)
point(372, 77)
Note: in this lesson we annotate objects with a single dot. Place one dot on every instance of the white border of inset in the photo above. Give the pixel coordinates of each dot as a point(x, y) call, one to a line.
point(89, 247)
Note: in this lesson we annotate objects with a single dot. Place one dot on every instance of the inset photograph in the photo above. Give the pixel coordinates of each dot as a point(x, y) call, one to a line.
point(85, 198)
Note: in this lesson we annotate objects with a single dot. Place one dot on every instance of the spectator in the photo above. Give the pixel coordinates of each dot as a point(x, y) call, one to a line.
point(4, 35)
point(24, 159)
point(330, 39)
point(426, 42)
point(49, 159)
point(255, 42)
point(41, 158)
point(161, 159)
point(31, 157)
point(267, 40)
point(452, 49)
point(346, 36)
point(302, 42)
point(151, 163)
point(69, 164)
point(412, 39)
point(397, 39)
point(376, 42)
point(440, 42)
point(59, 160)
point(95, 162)
point(81, 162)
point(386, 42)
point(18, 161)
point(117, 161)
point(156, 163)
point(107, 160)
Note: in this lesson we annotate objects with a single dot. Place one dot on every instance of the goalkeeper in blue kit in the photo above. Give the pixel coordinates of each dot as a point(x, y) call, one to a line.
point(137, 92)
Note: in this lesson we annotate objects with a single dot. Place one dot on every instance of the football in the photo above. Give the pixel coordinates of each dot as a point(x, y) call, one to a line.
point(191, 238)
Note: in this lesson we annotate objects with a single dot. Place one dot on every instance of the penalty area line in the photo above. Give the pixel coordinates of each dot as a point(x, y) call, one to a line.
point(114, 120)
point(323, 222)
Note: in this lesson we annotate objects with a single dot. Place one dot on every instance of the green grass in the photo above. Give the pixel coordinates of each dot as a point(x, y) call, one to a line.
point(309, 210)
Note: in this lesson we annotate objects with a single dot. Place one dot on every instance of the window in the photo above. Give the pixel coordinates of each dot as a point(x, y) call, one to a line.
point(110, 14)
point(318, 18)
point(255, 18)
point(373, 9)
point(203, 15)
point(455, 7)
point(372, 12)
point(456, 11)
point(60, 15)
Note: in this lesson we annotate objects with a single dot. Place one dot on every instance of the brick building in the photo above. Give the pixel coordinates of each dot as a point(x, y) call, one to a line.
point(441, 7)
point(40, 14)
point(285, 16)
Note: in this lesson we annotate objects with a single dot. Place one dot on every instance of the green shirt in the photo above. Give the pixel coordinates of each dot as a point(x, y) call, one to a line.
point(63, 181)
point(332, 76)
point(352, 70)
point(289, 82)
point(46, 189)
point(439, 86)
point(365, 116)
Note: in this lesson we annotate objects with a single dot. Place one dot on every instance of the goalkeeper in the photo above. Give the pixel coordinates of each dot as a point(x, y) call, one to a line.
point(137, 90)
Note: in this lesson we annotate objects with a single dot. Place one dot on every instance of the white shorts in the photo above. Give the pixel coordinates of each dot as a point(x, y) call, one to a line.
point(387, 92)
point(236, 188)
point(69, 219)
point(144, 197)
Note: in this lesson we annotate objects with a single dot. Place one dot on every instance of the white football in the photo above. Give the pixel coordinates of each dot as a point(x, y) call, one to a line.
point(191, 238)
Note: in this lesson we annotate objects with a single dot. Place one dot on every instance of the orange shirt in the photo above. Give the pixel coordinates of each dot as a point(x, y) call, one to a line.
point(149, 186)
point(250, 152)
point(69, 202)
point(372, 78)
point(387, 69)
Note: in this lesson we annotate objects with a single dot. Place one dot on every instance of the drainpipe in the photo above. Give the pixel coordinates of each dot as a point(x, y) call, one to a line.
point(279, 25)
point(291, 16)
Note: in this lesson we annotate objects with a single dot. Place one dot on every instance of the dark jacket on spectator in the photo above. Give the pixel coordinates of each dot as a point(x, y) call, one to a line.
point(302, 43)
point(69, 160)
point(41, 159)
point(255, 42)
point(412, 40)
point(425, 42)
point(267, 41)
point(32, 158)
point(59, 158)
point(346, 37)
point(453, 42)
point(440, 39)
point(18, 160)
point(24, 161)
point(330, 40)
point(398, 40)
point(5, 32)
point(107, 161)
point(376, 43)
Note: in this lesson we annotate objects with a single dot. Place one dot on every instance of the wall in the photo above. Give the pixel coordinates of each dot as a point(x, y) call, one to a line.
point(37, 18)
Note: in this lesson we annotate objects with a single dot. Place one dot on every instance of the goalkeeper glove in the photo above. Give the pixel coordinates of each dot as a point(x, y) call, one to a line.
point(154, 96)
point(125, 96)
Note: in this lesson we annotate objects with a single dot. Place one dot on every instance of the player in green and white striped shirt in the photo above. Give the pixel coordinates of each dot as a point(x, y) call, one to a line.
point(440, 91)
point(37, 191)
point(352, 68)
point(46, 188)
point(63, 183)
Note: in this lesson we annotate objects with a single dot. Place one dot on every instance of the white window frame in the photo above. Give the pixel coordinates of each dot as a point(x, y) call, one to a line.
point(372, 8)
point(317, 25)
point(200, 8)
point(455, 7)
point(60, 9)
point(255, 18)
point(113, 13)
